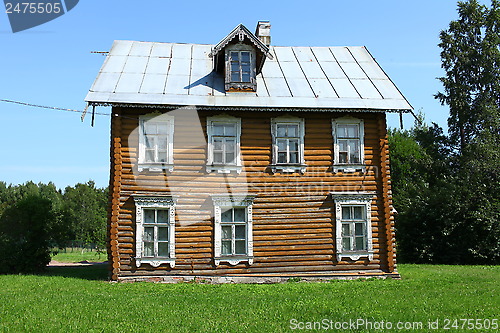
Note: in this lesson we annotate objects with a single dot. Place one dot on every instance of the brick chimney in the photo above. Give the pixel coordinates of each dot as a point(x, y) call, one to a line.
point(263, 32)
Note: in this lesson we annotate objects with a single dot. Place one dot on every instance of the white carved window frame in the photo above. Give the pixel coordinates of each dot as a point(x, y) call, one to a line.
point(288, 167)
point(156, 202)
point(348, 167)
point(168, 122)
point(232, 201)
point(353, 199)
point(223, 168)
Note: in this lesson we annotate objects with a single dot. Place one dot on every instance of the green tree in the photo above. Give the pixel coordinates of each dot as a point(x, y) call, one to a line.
point(471, 60)
point(85, 213)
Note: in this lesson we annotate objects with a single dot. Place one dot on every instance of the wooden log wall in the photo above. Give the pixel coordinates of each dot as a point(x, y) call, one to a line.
point(293, 214)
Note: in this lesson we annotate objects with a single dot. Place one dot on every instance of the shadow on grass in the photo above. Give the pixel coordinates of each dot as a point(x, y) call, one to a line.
point(97, 272)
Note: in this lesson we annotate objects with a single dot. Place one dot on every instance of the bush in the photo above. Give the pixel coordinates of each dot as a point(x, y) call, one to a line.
point(25, 231)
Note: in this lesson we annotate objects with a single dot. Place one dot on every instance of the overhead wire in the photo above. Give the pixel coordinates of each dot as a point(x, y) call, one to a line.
point(83, 112)
point(52, 107)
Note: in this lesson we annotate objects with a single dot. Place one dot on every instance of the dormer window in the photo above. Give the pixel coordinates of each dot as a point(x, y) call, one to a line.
point(239, 57)
point(240, 68)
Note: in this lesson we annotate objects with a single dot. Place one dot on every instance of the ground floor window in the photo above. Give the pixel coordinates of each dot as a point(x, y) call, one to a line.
point(233, 229)
point(353, 225)
point(155, 230)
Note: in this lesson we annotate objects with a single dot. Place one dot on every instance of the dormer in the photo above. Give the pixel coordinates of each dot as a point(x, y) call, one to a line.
point(239, 57)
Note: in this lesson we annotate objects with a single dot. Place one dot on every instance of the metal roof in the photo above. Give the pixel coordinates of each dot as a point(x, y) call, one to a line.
point(296, 77)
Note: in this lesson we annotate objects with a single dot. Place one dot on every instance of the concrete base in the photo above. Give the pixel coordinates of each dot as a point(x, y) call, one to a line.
point(257, 279)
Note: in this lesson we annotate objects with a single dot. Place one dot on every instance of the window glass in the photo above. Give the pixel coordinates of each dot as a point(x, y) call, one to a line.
point(360, 243)
point(226, 232)
point(292, 130)
point(245, 56)
point(163, 234)
point(227, 216)
point(148, 249)
point(346, 213)
point(149, 216)
point(358, 212)
point(281, 129)
point(149, 233)
point(239, 231)
point(346, 244)
point(240, 247)
point(239, 214)
point(226, 247)
point(163, 249)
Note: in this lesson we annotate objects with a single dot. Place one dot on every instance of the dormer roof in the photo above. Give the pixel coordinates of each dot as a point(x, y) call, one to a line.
point(240, 34)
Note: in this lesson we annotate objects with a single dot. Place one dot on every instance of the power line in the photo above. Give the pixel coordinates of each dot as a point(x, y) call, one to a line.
point(51, 107)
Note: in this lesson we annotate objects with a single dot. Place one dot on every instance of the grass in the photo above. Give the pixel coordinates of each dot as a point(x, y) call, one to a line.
point(78, 299)
point(78, 254)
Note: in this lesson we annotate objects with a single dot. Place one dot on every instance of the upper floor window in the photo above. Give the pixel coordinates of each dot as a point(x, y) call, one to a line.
point(156, 141)
point(288, 144)
point(240, 68)
point(155, 230)
point(348, 135)
point(223, 144)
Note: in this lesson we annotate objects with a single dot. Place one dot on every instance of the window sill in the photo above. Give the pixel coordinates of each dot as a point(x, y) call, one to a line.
point(288, 168)
point(155, 262)
point(349, 168)
point(355, 255)
point(156, 167)
point(233, 260)
point(224, 168)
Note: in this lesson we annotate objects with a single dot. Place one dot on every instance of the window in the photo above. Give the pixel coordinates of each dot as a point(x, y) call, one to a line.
point(156, 136)
point(234, 235)
point(224, 144)
point(240, 68)
point(233, 229)
point(155, 230)
point(353, 225)
point(348, 134)
point(288, 145)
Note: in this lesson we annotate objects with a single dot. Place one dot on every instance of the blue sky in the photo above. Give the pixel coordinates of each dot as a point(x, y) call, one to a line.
point(52, 65)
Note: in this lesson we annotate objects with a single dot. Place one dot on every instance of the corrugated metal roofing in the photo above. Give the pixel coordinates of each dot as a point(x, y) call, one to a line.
point(296, 77)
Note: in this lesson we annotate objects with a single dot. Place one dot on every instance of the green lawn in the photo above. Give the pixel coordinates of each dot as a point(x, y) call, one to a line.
point(77, 255)
point(77, 299)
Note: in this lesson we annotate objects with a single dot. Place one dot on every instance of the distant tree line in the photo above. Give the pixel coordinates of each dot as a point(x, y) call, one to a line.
point(447, 186)
point(35, 218)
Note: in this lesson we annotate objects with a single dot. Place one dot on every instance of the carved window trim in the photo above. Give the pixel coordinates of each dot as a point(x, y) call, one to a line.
point(232, 201)
point(288, 167)
point(342, 199)
point(348, 167)
point(240, 86)
point(223, 168)
point(167, 122)
point(156, 202)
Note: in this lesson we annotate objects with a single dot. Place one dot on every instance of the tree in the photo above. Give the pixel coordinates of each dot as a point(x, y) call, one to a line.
point(85, 213)
point(471, 60)
point(447, 189)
